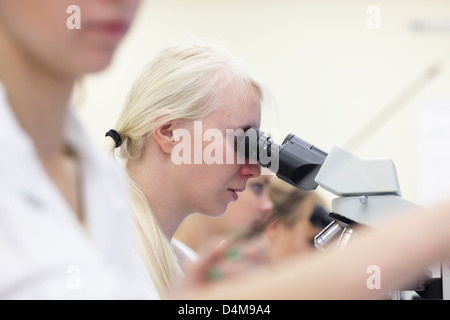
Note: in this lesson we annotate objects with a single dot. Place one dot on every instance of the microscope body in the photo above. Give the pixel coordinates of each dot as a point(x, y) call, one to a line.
point(367, 189)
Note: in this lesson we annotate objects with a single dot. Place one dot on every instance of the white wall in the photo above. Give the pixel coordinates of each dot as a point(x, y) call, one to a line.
point(330, 73)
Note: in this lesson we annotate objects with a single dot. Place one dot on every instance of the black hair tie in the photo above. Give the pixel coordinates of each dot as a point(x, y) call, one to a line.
point(116, 137)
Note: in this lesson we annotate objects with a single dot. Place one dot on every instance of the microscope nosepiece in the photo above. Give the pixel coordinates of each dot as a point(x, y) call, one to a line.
point(328, 235)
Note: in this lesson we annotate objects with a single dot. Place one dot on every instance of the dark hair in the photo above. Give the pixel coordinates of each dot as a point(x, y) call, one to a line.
point(115, 136)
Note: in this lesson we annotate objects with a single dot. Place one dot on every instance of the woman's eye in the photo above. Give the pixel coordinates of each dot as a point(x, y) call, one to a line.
point(257, 188)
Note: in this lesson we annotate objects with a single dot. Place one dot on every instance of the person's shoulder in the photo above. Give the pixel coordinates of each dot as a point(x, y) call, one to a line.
point(184, 253)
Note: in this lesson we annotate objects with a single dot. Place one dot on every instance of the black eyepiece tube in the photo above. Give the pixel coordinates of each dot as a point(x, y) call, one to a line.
point(295, 161)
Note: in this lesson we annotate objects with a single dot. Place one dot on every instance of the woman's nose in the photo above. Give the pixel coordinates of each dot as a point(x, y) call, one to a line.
point(251, 170)
point(266, 203)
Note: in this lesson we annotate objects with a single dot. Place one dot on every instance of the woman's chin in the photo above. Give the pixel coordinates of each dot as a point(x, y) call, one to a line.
point(217, 211)
point(96, 61)
point(98, 65)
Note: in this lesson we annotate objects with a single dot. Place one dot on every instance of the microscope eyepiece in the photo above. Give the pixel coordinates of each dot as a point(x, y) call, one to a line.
point(256, 146)
point(295, 161)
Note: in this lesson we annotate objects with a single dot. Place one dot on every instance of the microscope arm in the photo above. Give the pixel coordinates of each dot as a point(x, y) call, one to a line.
point(367, 189)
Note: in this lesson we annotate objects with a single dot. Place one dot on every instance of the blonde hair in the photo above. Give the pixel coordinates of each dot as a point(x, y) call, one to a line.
point(183, 82)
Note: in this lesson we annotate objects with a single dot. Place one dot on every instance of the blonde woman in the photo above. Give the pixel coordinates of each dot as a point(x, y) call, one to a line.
point(185, 92)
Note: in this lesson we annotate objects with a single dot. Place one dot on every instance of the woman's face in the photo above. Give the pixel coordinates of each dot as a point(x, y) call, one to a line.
point(297, 238)
point(45, 30)
point(222, 175)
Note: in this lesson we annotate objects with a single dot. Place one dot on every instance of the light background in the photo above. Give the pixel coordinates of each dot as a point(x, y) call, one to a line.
point(330, 72)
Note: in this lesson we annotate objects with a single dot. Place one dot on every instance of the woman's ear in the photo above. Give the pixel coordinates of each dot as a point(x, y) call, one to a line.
point(164, 137)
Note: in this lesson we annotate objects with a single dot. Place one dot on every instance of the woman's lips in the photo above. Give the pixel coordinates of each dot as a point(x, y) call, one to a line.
point(108, 28)
point(233, 192)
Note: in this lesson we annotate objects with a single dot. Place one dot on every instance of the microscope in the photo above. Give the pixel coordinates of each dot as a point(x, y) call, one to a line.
point(367, 190)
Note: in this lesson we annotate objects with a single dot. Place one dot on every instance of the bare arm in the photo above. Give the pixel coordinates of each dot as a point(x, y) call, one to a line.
point(401, 248)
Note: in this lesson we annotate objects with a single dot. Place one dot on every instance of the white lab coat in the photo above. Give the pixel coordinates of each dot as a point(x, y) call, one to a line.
point(185, 254)
point(45, 253)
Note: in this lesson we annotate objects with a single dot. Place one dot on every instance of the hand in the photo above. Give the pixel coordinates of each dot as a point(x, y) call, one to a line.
point(219, 261)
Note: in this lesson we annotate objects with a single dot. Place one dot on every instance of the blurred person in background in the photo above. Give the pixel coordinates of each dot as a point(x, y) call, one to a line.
point(297, 217)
